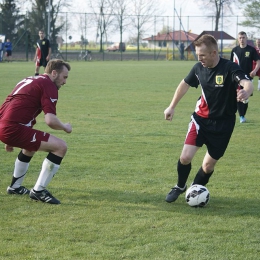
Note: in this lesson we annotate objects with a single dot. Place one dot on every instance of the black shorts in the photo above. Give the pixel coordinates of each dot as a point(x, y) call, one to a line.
point(43, 62)
point(8, 53)
point(215, 134)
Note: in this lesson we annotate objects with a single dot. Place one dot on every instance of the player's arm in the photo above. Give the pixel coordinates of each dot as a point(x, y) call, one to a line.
point(49, 54)
point(53, 122)
point(179, 93)
point(247, 90)
point(257, 66)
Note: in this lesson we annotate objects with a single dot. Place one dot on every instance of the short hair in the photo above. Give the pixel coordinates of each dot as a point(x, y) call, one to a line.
point(208, 40)
point(56, 64)
point(242, 33)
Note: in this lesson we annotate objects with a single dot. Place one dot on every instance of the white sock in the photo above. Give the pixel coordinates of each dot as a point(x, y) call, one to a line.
point(48, 171)
point(20, 169)
point(258, 84)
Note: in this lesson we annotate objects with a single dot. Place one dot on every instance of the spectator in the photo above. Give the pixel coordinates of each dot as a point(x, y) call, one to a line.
point(8, 49)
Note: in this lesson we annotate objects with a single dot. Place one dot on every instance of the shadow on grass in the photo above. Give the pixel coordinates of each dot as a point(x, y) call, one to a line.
point(145, 201)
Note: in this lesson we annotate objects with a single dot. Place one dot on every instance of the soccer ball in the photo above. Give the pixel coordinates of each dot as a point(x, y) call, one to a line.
point(197, 196)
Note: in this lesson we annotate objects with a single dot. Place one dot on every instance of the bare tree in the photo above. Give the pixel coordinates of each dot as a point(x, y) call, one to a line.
point(217, 8)
point(143, 13)
point(120, 8)
point(102, 10)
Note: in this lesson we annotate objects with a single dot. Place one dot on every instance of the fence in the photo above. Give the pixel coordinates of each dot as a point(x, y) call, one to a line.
point(81, 31)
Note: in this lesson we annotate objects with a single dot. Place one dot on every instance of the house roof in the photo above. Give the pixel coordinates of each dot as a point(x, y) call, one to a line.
point(217, 34)
point(173, 36)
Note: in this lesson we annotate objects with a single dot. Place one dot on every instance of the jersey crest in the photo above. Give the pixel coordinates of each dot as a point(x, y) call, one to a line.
point(247, 54)
point(219, 79)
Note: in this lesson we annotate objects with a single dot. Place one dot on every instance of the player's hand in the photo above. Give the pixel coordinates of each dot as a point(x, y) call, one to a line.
point(252, 74)
point(168, 113)
point(242, 95)
point(67, 128)
point(9, 148)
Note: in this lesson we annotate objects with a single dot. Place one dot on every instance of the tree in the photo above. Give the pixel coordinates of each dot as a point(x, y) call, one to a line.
point(41, 15)
point(120, 7)
point(143, 12)
point(103, 18)
point(11, 20)
point(251, 13)
point(217, 8)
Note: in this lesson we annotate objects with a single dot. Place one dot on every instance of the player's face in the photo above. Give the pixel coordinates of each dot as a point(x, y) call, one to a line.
point(206, 56)
point(242, 40)
point(41, 35)
point(61, 78)
point(258, 43)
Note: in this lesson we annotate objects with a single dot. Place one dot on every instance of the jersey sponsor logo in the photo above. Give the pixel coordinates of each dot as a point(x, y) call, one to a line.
point(247, 54)
point(219, 81)
point(34, 138)
point(53, 99)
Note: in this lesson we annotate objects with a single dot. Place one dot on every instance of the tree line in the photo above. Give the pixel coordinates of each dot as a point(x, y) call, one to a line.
point(114, 15)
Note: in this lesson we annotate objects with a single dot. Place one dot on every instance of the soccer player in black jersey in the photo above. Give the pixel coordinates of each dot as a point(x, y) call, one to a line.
point(42, 53)
point(244, 55)
point(214, 118)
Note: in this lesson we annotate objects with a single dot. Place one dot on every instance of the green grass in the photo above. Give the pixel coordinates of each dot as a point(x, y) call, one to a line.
point(121, 163)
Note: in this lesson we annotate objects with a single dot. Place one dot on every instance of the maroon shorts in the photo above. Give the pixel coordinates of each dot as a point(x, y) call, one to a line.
point(21, 136)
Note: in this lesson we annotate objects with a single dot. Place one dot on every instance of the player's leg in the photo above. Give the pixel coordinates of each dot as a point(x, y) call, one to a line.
point(258, 85)
point(205, 171)
point(57, 149)
point(37, 70)
point(20, 168)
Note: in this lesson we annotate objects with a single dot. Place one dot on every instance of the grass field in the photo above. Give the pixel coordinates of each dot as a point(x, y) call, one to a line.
point(120, 164)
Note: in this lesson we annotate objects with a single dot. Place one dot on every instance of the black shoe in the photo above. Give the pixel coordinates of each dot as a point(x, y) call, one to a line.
point(18, 191)
point(175, 193)
point(43, 196)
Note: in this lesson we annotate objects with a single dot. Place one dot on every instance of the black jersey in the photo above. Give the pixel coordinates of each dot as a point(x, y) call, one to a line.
point(219, 85)
point(244, 57)
point(44, 46)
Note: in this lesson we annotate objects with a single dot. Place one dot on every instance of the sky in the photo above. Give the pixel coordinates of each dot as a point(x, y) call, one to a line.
point(188, 15)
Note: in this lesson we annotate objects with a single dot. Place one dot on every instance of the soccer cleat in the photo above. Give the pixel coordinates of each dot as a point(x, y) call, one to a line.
point(18, 191)
point(44, 196)
point(242, 119)
point(175, 193)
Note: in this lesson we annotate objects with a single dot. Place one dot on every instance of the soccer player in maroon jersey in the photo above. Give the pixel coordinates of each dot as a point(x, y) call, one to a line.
point(244, 55)
point(18, 114)
point(214, 118)
point(257, 47)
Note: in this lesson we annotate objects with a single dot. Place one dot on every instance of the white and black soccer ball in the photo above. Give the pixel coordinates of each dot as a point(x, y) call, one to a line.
point(197, 196)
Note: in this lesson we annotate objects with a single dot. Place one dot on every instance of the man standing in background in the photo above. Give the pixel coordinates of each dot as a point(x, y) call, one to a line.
point(8, 50)
point(244, 55)
point(43, 52)
point(257, 47)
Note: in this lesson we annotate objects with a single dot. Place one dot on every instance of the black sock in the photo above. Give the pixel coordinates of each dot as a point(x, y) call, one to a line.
point(201, 177)
point(54, 158)
point(183, 173)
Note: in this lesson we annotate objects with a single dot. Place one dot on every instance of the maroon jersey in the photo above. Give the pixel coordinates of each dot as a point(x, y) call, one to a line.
point(28, 99)
point(254, 63)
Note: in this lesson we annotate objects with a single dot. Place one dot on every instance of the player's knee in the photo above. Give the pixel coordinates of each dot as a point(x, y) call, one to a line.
point(62, 148)
point(185, 159)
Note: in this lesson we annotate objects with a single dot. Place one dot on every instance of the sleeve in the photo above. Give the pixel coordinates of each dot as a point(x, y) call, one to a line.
point(49, 99)
point(237, 73)
point(255, 55)
point(192, 79)
point(231, 54)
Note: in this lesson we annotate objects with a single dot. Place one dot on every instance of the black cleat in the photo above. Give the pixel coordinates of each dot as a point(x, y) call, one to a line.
point(43, 196)
point(18, 191)
point(175, 193)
